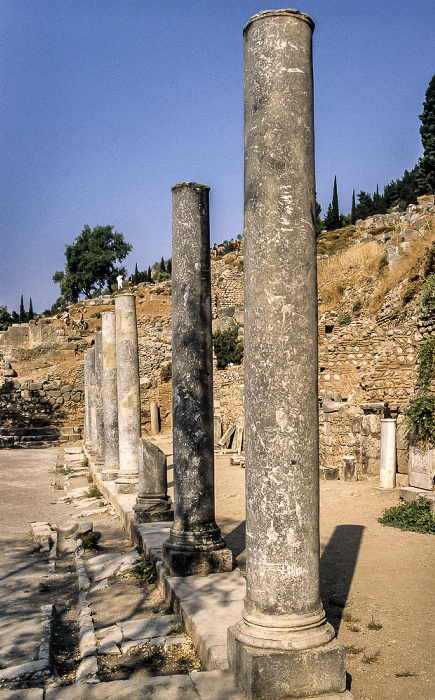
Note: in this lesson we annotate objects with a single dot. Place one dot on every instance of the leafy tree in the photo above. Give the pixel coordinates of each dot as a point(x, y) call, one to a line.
point(90, 262)
point(319, 222)
point(353, 216)
point(364, 208)
point(6, 319)
point(227, 346)
point(332, 218)
point(15, 317)
point(23, 315)
point(31, 315)
point(427, 133)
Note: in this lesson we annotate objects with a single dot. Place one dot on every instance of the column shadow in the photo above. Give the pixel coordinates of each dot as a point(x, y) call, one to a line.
point(337, 567)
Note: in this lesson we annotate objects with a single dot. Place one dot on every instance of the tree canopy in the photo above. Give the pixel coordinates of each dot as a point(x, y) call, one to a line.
point(91, 262)
point(427, 133)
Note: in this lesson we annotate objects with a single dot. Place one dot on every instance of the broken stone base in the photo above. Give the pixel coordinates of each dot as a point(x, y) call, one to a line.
point(127, 483)
point(109, 474)
point(274, 674)
point(153, 510)
point(196, 561)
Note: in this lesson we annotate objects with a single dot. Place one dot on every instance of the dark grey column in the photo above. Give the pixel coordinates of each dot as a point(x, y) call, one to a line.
point(99, 398)
point(152, 504)
point(110, 396)
point(195, 545)
point(283, 647)
point(88, 371)
point(127, 366)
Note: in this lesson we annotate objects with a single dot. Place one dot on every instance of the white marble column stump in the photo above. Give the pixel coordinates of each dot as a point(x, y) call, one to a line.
point(283, 647)
point(110, 397)
point(195, 544)
point(387, 471)
point(155, 417)
point(128, 384)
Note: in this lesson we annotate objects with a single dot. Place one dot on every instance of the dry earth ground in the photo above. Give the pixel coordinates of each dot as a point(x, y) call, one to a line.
point(368, 572)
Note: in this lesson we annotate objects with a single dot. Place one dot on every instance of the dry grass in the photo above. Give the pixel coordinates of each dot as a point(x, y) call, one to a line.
point(348, 267)
point(355, 266)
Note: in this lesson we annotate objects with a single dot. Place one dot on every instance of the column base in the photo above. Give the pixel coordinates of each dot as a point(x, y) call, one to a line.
point(265, 672)
point(127, 483)
point(153, 510)
point(109, 474)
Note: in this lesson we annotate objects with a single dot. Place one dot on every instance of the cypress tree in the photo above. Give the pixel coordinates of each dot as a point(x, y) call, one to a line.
point(169, 266)
point(333, 218)
point(149, 275)
point(162, 265)
point(22, 315)
point(31, 314)
point(353, 210)
point(427, 133)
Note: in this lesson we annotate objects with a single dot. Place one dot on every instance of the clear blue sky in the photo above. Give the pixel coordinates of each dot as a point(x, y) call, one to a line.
point(108, 103)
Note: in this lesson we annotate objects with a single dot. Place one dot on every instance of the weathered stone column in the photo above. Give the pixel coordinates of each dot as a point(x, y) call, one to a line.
point(87, 371)
point(91, 398)
point(127, 366)
point(387, 472)
point(195, 545)
point(283, 647)
point(99, 398)
point(110, 396)
point(153, 503)
point(155, 417)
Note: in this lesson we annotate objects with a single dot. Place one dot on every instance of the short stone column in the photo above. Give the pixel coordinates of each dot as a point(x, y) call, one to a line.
point(195, 545)
point(110, 396)
point(99, 398)
point(127, 367)
point(153, 503)
point(88, 370)
point(387, 471)
point(155, 418)
point(283, 647)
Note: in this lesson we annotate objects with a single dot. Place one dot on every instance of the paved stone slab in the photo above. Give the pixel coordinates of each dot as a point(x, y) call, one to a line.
point(22, 694)
point(148, 627)
point(215, 685)
point(106, 565)
point(164, 688)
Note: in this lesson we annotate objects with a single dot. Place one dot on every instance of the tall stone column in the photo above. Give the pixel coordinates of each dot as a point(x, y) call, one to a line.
point(99, 398)
point(283, 647)
point(195, 545)
point(127, 366)
point(387, 472)
point(110, 396)
point(88, 361)
point(91, 399)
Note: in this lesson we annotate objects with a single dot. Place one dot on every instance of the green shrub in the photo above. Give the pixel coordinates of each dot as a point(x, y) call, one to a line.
point(228, 348)
point(410, 515)
point(93, 492)
point(345, 319)
point(145, 569)
point(420, 420)
point(426, 362)
point(428, 294)
point(383, 262)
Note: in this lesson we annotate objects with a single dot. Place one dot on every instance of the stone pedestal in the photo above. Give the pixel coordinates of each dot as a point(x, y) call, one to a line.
point(283, 647)
point(350, 472)
point(155, 418)
point(110, 396)
point(99, 415)
point(387, 471)
point(88, 371)
point(152, 504)
point(127, 368)
point(195, 545)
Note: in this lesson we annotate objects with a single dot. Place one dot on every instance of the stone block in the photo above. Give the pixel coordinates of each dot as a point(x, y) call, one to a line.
point(329, 473)
point(349, 468)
